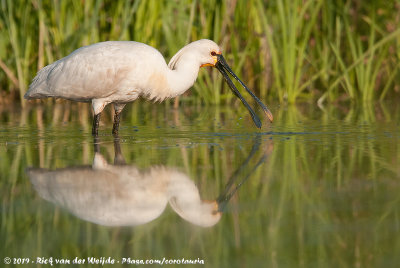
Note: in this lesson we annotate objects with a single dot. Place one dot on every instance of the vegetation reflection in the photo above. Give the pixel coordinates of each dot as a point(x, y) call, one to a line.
point(326, 196)
point(123, 195)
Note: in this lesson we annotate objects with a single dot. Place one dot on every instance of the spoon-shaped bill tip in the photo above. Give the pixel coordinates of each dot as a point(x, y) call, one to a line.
point(256, 121)
point(269, 115)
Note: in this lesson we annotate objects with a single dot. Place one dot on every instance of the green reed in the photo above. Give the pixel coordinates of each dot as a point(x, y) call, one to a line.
point(365, 68)
point(286, 50)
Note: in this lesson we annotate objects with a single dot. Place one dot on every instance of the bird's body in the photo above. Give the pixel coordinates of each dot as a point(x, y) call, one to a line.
point(110, 72)
point(119, 72)
point(123, 195)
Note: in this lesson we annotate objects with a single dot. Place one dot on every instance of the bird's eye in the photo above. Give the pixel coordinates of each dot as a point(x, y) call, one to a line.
point(213, 53)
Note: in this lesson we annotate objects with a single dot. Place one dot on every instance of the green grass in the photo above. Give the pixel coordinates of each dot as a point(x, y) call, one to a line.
point(284, 50)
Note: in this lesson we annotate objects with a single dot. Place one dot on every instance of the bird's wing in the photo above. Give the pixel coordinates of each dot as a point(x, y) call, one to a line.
point(90, 73)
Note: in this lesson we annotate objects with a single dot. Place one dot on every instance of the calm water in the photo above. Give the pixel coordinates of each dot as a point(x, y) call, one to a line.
point(317, 188)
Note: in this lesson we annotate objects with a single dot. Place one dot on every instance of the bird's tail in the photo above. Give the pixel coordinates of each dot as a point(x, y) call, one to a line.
point(38, 87)
point(30, 95)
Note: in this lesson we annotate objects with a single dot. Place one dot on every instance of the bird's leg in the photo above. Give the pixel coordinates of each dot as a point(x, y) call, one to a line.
point(117, 116)
point(97, 106)
point(118, 158)
point(96, 144)
point(96, 121)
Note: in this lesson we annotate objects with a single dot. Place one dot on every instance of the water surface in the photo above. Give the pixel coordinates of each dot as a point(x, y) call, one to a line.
point(317, 188)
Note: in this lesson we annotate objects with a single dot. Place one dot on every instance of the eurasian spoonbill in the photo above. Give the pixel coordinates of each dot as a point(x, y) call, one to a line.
point(119, 72)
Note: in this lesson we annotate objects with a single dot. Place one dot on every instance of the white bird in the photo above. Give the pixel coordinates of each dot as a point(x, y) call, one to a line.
point(123, 195)
point(119, 72)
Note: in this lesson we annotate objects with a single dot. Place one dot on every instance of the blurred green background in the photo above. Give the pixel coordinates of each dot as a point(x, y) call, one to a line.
point(287, 50)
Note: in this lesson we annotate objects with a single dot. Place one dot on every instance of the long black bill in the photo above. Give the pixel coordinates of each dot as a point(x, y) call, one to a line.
point(221, 65)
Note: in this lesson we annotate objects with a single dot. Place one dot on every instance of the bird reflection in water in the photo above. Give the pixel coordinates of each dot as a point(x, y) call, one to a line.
point(122, 195)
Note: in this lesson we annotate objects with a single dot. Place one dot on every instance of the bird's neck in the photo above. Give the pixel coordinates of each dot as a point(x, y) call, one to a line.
point(183, 76)
point(175, 79)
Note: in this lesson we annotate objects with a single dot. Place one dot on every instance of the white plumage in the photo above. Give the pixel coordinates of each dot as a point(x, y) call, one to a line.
point(121, 71)
point(123, 195)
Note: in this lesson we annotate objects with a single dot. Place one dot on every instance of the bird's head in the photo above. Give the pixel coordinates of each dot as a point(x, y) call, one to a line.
point(208, 53)
point(199, 212)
